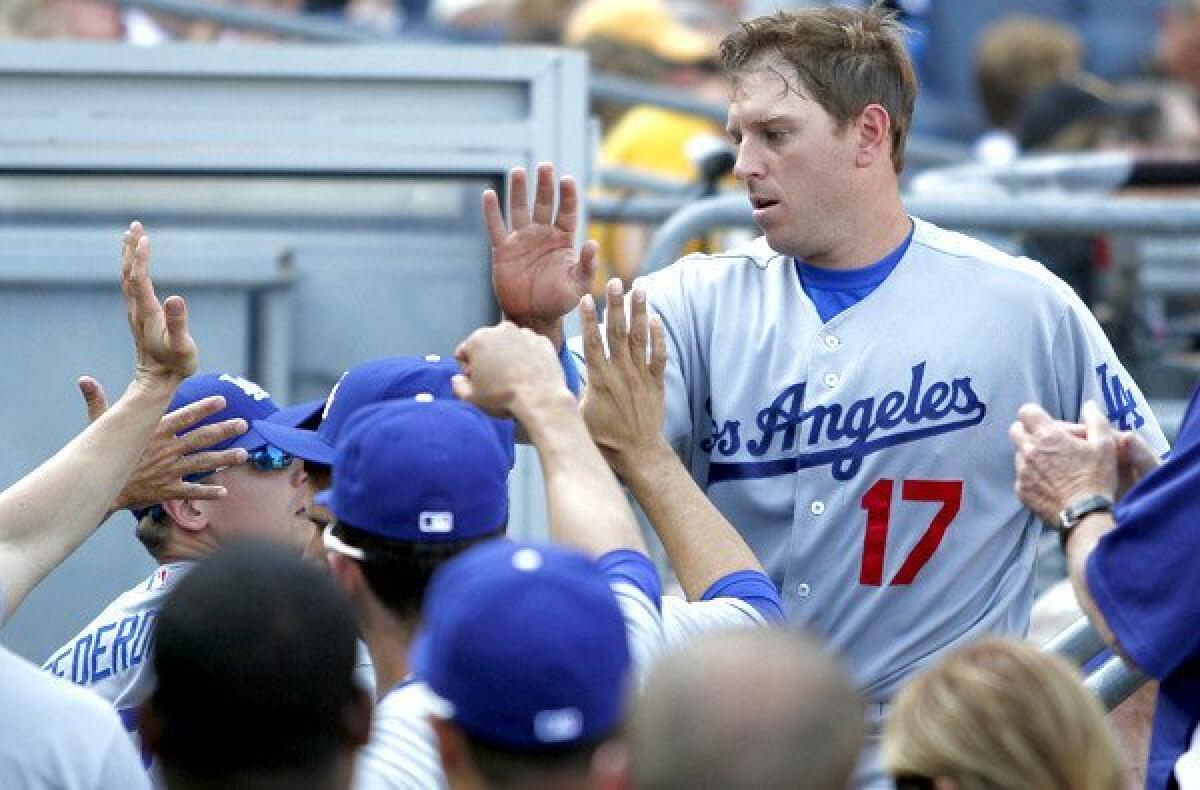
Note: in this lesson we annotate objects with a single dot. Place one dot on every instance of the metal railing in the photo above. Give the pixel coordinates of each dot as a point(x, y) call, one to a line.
point(683, 221)
point(301, 26)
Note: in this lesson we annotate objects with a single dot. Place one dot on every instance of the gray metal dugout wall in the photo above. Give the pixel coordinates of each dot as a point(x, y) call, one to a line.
point(317, 205)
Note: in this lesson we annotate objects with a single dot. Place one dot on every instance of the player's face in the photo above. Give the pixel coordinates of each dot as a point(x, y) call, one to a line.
point(794, 160)
point(268, 505)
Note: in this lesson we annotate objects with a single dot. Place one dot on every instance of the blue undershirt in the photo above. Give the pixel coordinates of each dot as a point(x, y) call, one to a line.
point(833, 291)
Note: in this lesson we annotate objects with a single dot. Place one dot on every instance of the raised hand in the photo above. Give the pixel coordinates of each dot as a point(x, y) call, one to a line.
point(536, 273)
point(508, 371)
point(623, 405)
point(170, 458)
point(163, 348)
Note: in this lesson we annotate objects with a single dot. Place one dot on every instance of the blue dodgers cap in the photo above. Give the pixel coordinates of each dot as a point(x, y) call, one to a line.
point(526, 645)
point(420, 470)
point(244, 399)
point(376, 381)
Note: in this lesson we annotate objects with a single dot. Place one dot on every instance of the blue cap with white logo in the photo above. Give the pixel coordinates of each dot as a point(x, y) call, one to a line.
point(243, 399)
point(375, 381)
point(420, 470)
point(526, 646)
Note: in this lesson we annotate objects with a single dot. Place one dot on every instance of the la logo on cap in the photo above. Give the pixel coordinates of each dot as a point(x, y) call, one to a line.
point(251, 389)
point(332, 395)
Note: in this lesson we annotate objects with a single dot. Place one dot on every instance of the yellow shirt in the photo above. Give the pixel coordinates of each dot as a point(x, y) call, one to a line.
point(654, 140)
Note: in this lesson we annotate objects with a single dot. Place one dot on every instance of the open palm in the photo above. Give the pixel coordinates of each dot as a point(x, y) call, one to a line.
point(536, 273)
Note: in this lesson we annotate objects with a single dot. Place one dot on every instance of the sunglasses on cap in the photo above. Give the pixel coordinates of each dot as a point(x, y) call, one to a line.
point(264, 459)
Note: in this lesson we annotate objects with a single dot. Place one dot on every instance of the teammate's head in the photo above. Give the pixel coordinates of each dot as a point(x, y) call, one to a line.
point(415, 482)
point(254, 656)
point(843, 59)
point(1002, 714)
point(699, 723)
point(267, 496)
point(374, 381)
point(526, 648)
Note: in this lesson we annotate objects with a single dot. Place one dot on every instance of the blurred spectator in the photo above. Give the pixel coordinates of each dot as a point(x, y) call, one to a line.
point(1015, 58)
point(254, 655)
point(73, 19)
point(698, 724)
point(1083, 113)
point(483, 21)
point(1000, 715)
point(643, 35)
point(538, 21)
point(1178, 49)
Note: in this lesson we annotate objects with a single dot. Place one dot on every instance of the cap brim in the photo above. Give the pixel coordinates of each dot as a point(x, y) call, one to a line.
point(297, 441)
point(295, 416)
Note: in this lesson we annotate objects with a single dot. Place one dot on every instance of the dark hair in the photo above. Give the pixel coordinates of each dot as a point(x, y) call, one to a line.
point(398, 572)
point(504, 767)
point(254, 653)
point(845, 58)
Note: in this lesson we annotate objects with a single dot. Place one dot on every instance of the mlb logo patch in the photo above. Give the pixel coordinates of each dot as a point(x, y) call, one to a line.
point(439, 522)
point(159, 580)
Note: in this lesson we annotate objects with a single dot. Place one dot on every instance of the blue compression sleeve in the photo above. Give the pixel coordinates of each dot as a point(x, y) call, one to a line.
point(570, 371)
point(751, 587)
point(633, 567)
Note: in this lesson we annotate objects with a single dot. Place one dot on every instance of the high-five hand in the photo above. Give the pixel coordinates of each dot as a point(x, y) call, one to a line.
point(536, 273)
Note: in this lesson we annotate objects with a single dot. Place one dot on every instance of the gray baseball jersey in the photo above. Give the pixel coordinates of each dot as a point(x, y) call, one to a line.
point(866, 460)
point(58, 736)
point(402, 751)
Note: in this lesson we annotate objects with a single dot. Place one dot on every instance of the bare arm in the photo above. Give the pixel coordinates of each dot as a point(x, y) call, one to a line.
point(624, 408)
point(47, 514)
point(1058, 464)
point(510, 371)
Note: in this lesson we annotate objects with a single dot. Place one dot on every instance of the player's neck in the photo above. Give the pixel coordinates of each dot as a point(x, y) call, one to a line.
point(863, 245)
point(387, 641)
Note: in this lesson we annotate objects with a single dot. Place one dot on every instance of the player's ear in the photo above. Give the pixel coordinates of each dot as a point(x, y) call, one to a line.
point(346, 573)
point(874, 131)
point(189, 514)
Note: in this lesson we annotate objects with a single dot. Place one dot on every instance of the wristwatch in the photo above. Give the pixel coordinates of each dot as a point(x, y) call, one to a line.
point(1077, 511)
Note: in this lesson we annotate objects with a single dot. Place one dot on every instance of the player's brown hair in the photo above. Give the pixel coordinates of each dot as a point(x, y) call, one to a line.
point(1018, 56)
point(846, 59)
point(1002, 715)
point(153, 531)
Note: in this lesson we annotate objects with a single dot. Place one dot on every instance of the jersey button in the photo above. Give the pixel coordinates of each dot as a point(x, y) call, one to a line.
point(831, 380)
point(803, 590)
point(817, 508)
point(832, 342)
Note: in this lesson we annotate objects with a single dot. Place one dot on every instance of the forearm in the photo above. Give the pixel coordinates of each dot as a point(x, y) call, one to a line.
point(1082, 542)
point(47, 514)
point(584, 502)
point(702, 545)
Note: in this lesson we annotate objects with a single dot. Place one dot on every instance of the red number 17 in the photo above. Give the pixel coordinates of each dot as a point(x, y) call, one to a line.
point(878, 504)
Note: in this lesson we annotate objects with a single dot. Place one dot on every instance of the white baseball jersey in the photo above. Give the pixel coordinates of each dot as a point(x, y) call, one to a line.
point(866, 460)
point(57, 736)
point(402, 752)
point(111, 655)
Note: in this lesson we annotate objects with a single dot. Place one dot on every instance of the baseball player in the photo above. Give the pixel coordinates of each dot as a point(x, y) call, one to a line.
point(841, 387)
point(267, 497)
point(56, 735)
point(392, 533)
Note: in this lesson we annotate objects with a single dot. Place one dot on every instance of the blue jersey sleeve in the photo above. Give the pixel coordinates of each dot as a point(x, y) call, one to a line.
point(570, 369)
point(752, 587)
point(633, 567)
point(1143, 575)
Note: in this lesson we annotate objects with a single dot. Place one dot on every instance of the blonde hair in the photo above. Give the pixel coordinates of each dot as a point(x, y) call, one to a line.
point(1000, 715)
point(1019, 55)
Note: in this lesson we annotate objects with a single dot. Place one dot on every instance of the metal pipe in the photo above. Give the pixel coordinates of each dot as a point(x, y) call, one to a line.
point(1033, 214)
point(1078, 642)
point(246, 18)
point(1114, 682)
